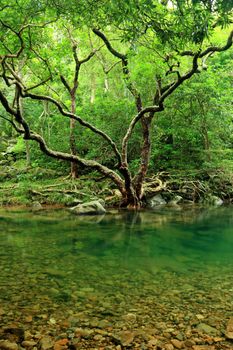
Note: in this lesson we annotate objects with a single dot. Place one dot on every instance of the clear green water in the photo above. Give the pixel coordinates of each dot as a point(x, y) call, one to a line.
point(156, 265)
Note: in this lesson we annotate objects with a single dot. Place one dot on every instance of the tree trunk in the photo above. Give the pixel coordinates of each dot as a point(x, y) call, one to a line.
point(146, 149)
point(130, 199)
point(145, 157)
point(28, 154)
point(74, 166)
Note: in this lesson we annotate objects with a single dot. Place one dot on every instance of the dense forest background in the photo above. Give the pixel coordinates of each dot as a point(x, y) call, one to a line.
point(104, 63)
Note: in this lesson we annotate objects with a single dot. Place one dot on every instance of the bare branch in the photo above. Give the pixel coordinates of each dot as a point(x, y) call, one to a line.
point(86, 59)
point(187, 53)
point(74, 116)
point(30, 135)
point(174, 85)
point(108, 45)
point(19, 130)
point(19, 35)
point(6, 105)
point(4, 7)
point(75, 158)
point(39, 84)
point(65, 83)
point(124, 59)
point(204, 60)
point(217, 48)
point(16, 76)
point(211, 48)
point(134, 121)
point(46, 83)
point(171, 71)
point(33, 25)
point(42, 59)
point(108, 70)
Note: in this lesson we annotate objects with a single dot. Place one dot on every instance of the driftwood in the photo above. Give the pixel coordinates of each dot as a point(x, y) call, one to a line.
point(163, 182)
point(46, 192)
point(3, 189)
point(153, 186)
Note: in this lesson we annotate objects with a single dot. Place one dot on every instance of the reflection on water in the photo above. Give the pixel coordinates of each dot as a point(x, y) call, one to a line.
point(160, 261)
point(151, 241)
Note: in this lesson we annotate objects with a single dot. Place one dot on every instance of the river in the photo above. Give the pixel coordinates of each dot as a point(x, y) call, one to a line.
point(141, 280)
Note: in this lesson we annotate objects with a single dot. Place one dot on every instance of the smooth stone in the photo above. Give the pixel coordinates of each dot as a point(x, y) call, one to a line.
point(55, 273)
point(214, 200)
point(2, 312)
point(103, 324)
point(36, 206)
point(28, 343)
point(205, 328)
point(169, 347)
point(229, 330)
point(156, 201)
point(53, 292)
point(125, 338)
point(89, 208)
point(217, 201)
point(7, 345)
point(203, 347)
point(83, 333)
point(177, 343)
point(46, 343)
point(175, 201)
point(130, 317)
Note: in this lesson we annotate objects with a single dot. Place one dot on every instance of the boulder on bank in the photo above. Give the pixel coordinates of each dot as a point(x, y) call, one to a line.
point(36, 206)
point(213, 200)
point(176, 200)
point(89, 208)
point(156, 201)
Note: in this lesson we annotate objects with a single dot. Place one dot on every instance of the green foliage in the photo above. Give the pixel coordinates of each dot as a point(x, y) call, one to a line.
point(19, 147)
point(194, 130)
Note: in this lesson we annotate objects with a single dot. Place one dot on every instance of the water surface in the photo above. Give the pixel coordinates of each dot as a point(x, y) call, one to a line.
point(166, 268)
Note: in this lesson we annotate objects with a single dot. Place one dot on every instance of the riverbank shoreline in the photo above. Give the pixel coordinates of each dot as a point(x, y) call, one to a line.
point(36, 188)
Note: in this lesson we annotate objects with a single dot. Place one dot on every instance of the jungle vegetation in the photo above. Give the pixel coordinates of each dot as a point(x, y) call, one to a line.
point(122, 88)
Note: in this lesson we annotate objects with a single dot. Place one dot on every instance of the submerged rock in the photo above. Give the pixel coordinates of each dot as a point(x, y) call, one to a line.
point(89, 208)
point(29, 344)
point(205, 328)
point(36, 206)
point(46, 343)
point(130, 317)
point(124, 338)
point(203, 347)
point(83, 333)
point(54, 272)
point(175, 201)
point(214, 200)
point(229, 330)
point(16, 332)
point(7, 345)
point(177, 343)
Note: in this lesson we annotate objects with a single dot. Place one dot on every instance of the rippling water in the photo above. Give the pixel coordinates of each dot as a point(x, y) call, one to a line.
point(154, 264)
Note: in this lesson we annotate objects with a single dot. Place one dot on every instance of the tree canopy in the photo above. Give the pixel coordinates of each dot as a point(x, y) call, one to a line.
point(108, 67)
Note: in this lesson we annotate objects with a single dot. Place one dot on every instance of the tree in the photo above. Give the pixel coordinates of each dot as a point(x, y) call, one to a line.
point(194, 131)
point(174, 39)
